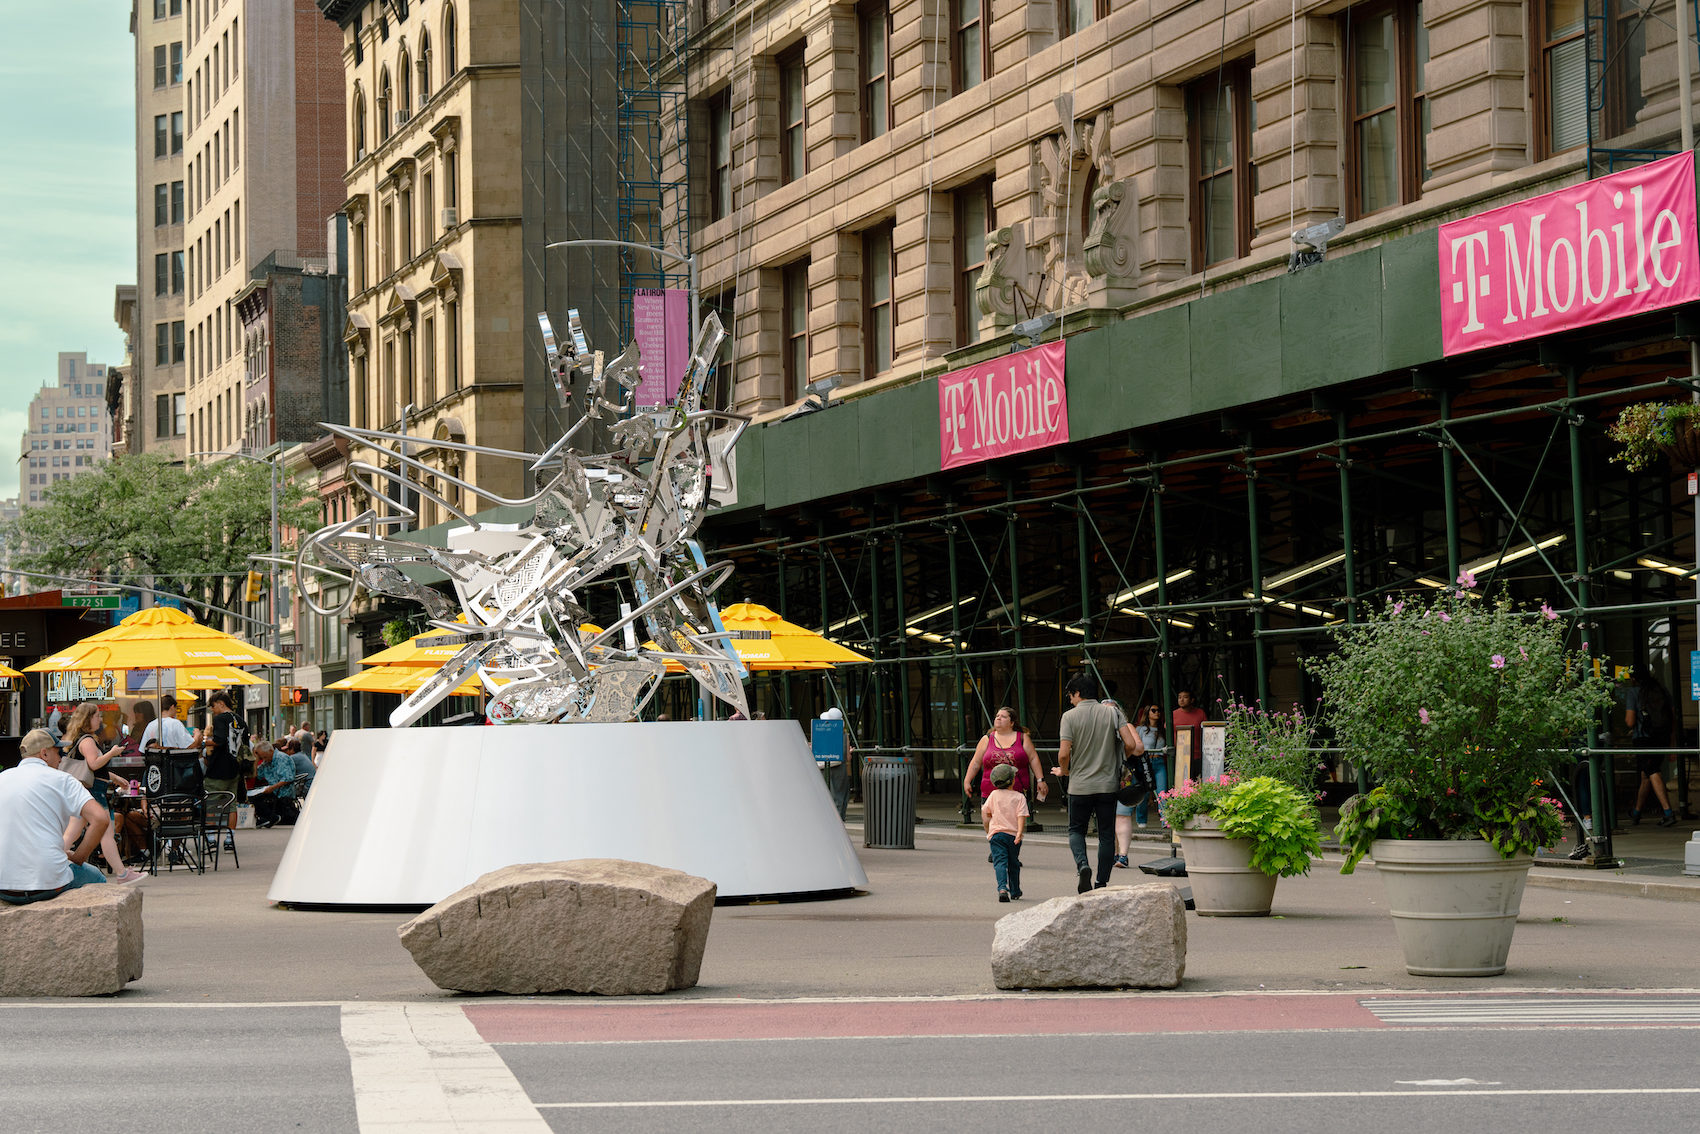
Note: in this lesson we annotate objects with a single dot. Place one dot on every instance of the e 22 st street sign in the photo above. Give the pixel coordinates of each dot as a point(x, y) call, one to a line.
point(90, 602)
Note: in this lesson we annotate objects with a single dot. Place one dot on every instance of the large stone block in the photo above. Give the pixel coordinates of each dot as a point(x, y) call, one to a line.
point(590, 925)
point(1125, 937)
point(85, 942)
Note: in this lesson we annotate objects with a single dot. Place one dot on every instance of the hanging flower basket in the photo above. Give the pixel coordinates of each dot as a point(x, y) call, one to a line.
point(1647, 429)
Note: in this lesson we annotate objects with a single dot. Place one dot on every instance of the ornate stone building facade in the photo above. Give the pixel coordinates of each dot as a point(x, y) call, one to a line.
point(434, 333)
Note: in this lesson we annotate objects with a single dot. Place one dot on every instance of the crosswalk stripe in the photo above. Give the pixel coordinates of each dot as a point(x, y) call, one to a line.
point(424, 1068)
point(1168, 1096)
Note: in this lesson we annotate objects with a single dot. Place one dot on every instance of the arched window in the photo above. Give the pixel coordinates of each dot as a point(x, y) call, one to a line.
point(384, 105)
point(404, 85)
point(359, 122)
point(424, 67)
point(451, 61)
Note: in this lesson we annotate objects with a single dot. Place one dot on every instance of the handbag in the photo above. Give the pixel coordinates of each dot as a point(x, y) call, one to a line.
point(78, 769)
point(1137, 780)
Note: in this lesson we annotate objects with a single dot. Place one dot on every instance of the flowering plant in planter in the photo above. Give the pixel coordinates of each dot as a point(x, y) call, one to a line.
point(1274, 817)
point(1648, 429)
point(1461, 707)
point(1270, 742)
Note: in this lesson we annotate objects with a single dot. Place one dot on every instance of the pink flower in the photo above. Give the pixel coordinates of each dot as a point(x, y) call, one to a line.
point(1498, 661)
point(1422, 715)
point(1399, 607)
point(1466, 579)
point(1548, 612)
point(1445, 617)
point(1524, 650)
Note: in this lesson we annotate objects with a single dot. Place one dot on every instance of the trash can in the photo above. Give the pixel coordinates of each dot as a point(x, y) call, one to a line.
point(888, 803)
point(173, 771)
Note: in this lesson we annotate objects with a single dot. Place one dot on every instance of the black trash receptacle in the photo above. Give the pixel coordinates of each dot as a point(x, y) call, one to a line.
point(888, 802)
point(173, 771)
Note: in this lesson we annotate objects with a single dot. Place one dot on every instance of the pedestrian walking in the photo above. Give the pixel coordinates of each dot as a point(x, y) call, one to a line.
point(1095, 737)
point(1004, 815)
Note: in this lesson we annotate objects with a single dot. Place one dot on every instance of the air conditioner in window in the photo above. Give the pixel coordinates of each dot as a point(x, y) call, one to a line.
point(449, 217)
point(401, 117)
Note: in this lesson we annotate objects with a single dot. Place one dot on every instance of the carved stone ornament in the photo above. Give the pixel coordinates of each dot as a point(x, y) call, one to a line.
point(1110, 247)
point(1065, 163)
point(1008, 285)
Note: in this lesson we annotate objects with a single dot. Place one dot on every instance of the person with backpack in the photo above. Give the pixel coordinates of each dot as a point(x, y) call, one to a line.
point(1648, 716)
point(224, 744)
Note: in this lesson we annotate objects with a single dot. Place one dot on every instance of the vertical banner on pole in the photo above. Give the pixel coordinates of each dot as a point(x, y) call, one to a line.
point(661, 326)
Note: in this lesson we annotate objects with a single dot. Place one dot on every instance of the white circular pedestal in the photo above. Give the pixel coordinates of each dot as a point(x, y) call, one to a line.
point(405, 817)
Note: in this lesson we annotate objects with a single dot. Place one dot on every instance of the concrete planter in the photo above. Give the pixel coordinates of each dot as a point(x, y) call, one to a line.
point(1219, 869)
point(1454, 903)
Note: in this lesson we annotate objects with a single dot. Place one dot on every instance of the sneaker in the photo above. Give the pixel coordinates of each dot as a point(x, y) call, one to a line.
point(1121, 861)
point(1085, 880)
point(1669, 820)
point(1003, 895)
point(1580, 853)
point(1015, 895)
point(129, 876)
point(1634, 818)
point(1099, 885)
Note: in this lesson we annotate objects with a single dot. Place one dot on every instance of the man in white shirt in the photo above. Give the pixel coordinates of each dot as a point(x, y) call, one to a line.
point(166, 730)
point(37, 803)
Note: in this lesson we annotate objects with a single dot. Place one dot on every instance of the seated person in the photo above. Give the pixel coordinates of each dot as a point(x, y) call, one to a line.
point(37, 804)
point(273, 801)
point(303, 764)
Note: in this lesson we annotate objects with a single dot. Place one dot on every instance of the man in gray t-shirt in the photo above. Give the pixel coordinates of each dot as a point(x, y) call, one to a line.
point(1095, 735)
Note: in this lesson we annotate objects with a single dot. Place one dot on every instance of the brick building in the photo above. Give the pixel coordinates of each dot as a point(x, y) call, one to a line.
point(295, 372)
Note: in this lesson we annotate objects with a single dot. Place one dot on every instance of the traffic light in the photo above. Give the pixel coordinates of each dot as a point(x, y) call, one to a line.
point(295, 695)
point(255, 588)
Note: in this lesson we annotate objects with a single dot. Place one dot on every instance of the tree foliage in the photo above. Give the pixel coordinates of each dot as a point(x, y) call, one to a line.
point(188, 528)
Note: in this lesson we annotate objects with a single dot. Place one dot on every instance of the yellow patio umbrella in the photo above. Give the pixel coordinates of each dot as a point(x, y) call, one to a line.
point(159, 637)
point(416, 651)
point(400, 679)
point(214, 677)
point(8, 671)
point(766, 641)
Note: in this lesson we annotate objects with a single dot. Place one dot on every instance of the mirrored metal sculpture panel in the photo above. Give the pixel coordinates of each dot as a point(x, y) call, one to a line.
point(550, 607)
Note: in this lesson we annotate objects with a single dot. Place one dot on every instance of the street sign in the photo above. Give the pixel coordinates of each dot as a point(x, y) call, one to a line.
point(826, 738)
point(91, 602)
point(1694, 673)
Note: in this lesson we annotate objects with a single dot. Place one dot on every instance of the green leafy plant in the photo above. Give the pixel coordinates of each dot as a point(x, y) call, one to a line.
point(1647, 429)
point(396, 631)
point(1460, 707)
point(1261, 742)
point(1276, 818)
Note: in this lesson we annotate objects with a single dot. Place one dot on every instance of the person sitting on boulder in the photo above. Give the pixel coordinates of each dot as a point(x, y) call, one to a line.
point(37, 803)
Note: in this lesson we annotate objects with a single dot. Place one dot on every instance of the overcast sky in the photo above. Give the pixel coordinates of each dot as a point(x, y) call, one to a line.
point(67, 196)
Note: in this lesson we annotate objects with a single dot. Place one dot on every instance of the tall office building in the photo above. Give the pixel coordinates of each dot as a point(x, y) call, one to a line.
point(263, 121)
point(68, 431)
point(151, 410)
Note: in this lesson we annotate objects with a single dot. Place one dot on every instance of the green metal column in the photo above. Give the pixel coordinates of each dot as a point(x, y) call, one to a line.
point(1015, 601)
point(956, 654)
point(1600, 786)
point(905, 730)
point(881, 737)
point(1165, 658)
point(1081, 553)
point(784, 612)
point(1254, 534)
point(1449, 485)
point(820, 572)
point(1346, 544)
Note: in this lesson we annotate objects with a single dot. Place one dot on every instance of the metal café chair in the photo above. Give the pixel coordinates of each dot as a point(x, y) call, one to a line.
point(217, 828)
point(178, 826)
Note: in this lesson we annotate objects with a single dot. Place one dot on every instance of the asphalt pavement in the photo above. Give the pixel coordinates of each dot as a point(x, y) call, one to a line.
point(879, 1010)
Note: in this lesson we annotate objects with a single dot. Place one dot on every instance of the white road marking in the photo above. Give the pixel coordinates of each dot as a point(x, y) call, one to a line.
point(424, 1067)
point(1537, 1010)
point(1177, 1096)
point(1446, 1083)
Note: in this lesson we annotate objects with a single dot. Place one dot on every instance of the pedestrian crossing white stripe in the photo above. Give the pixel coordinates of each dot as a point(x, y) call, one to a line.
point(1154, 1096)
point(1537, 1010)
point(424, 1067)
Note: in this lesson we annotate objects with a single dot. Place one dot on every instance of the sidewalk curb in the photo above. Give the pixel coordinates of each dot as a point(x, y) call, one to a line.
point(1546, 879)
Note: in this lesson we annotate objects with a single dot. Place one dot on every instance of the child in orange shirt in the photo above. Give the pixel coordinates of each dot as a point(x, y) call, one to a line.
point(1005, 817)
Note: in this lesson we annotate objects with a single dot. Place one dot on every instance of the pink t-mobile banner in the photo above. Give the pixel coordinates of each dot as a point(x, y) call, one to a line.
point(661, 324)
point(1607, 248)
point(1013, 405)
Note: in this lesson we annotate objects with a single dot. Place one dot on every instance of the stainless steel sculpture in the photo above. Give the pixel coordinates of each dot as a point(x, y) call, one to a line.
point(621, 521)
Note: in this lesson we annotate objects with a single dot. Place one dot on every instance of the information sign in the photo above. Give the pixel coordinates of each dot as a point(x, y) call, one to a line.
point(826, 740)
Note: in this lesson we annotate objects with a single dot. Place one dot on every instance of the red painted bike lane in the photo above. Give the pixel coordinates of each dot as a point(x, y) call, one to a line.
point(993, 1016)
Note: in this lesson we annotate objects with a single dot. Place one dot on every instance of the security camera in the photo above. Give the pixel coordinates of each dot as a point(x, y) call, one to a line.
point(1036, 326)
